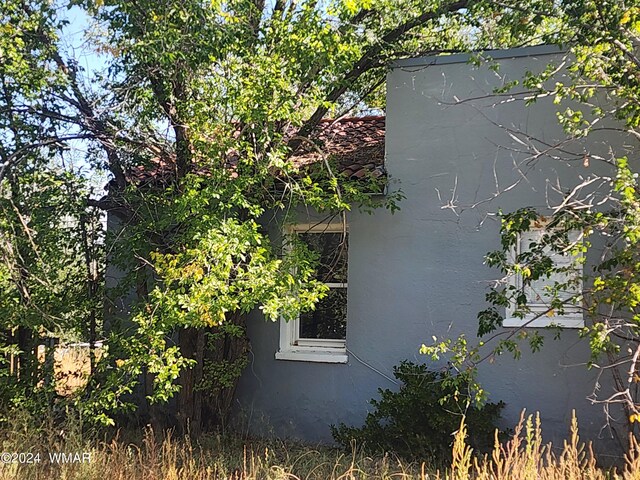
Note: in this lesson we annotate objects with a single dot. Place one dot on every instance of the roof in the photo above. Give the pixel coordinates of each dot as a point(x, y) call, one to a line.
point(534, 51)
point(355, 143)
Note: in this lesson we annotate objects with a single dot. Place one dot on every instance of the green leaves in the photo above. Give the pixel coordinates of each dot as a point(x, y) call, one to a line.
point(231, 268)
point(417, 421)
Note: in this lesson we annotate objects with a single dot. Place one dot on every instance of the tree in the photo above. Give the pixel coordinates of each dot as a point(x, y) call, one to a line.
point(49, 240)
point(602, 62)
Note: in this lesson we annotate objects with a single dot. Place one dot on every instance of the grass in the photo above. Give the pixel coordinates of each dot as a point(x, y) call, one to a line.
point(163, 457)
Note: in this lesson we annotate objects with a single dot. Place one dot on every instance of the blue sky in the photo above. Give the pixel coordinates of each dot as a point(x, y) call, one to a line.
point(74, 40)
point(75, 45)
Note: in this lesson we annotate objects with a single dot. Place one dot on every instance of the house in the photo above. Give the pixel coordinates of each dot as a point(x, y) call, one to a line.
point(460, 153)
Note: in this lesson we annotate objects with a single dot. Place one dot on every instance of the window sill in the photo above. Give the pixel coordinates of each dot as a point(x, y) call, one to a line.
point(564, 321)
point(339, 356)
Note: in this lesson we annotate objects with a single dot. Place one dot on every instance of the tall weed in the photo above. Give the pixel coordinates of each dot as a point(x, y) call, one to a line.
point(152, 456)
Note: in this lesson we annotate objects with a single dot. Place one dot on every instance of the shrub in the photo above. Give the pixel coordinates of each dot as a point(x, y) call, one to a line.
point(419, 420)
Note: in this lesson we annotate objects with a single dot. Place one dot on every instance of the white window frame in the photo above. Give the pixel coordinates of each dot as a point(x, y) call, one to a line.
point(573, 316)
point(292, 347)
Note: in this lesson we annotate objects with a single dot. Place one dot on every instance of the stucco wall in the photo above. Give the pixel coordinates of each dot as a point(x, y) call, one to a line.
point(420, 272)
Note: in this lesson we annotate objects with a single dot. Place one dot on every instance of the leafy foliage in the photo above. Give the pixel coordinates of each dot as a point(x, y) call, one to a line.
point(419, 420)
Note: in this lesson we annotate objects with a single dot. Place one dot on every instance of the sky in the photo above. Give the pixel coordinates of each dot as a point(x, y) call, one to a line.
point(74, 45)
point(74, 42)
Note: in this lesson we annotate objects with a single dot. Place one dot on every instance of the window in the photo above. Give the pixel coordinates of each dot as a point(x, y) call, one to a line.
point(320, 335)
point(537, 292)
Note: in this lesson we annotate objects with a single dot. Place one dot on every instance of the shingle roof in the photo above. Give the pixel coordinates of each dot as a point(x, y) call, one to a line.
point(356, 143)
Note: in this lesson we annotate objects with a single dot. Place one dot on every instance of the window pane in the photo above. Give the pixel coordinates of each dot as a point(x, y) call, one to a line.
point(332, 248)
point(538, 291)
point(329, 319)
point(527, 239)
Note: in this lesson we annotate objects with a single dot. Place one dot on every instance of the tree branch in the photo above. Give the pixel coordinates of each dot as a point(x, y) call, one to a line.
point(97, 127)
point(366, 63)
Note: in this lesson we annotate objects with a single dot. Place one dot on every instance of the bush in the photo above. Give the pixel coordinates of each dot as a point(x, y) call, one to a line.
point(419, 420)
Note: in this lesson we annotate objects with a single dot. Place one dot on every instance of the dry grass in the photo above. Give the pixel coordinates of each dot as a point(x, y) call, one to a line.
point(228, 457)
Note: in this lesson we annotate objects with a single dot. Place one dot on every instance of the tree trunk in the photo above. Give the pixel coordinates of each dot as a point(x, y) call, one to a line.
point(25, 357)
point(189, 415)
point(229, 350)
